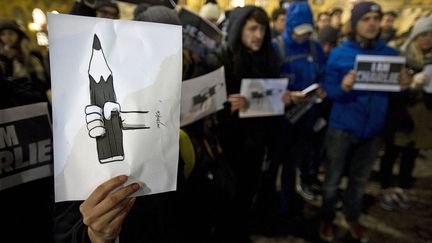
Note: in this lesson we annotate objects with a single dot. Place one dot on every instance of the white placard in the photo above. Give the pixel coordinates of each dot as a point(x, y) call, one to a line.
point(202, 96)
point(428, 71)
point(116, 95)
point(378, 73)
point(264, 97)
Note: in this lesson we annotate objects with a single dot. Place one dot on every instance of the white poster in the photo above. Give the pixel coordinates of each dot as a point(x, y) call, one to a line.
point(264, 97)
point(116, 95)
point(428, 72)
point(378, 73)
point(202, 96)
point(25, 144)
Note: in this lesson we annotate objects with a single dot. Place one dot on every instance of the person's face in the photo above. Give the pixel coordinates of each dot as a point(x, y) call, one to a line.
point(424, 41)
point(336, 19)
point(387, 22)
point(368, 25)
point(300, 38)
point(323, 20)
point(253, 35)
point(107, 12)
point(8, 37)
point(279, 23)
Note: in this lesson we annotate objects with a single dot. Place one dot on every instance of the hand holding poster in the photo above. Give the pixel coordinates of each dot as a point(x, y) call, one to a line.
point(264, 97)
point(116, 102)
point(25, 144)
point(378, 73)
point(202, 96)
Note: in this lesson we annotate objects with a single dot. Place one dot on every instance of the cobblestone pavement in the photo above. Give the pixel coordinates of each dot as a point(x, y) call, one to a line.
point(409, 225)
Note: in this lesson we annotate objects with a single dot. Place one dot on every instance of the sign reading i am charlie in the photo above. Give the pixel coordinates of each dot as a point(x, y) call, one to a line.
point(378, 73)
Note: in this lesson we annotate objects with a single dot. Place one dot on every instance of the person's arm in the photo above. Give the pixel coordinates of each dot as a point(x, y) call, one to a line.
point(99, 218)
point(336, 85)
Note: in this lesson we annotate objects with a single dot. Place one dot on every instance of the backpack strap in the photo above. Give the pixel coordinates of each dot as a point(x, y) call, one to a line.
point(314, 54)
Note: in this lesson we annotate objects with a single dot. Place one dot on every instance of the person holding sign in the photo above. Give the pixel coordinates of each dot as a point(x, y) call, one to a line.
point(356, 121)
point(25, 140)
point(248, 53)
point(409, 120)
point(301, 59)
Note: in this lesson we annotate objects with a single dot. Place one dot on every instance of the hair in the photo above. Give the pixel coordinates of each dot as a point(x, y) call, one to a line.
point(276, 13)
point(415, 54)
point(266, 52)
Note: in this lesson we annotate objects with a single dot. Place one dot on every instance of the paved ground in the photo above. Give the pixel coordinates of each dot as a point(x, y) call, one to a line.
point(411, 225)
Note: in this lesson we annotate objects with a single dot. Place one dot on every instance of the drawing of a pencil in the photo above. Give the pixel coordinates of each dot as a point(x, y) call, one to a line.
point(109, 145)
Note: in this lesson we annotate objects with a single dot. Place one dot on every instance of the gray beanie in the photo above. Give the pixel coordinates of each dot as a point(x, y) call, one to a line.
point(159, 14)
point(423, 24)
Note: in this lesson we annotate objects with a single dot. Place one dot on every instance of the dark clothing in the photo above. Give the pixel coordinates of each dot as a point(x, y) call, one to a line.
point(18, 91)
point(151, 219)
point(242, 140)
point(406, 167)
point(26, 211)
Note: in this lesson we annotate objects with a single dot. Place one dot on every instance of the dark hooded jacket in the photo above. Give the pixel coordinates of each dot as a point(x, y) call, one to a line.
point(240, 63)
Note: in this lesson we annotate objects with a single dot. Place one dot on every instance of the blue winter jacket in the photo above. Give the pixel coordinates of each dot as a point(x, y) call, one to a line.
point(302, 71)
point(361, 113)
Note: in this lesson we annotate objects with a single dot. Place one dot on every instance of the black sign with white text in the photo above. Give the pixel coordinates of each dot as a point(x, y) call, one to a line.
point(25, 144)
point(378, 73)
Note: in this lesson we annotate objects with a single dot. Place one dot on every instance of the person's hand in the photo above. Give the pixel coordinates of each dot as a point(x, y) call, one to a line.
point(297, 97)
point(238, 102)
point(106, 208)
point(418, 80)
point(405, 79)
point(321, 93)
point(348, 81)
point(286, 97)
point(94, 120)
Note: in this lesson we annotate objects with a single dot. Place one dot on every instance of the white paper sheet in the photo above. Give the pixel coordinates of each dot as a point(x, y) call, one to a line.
point(202, 96)
point(428, 71)
point(142, 62)
point(264, 97)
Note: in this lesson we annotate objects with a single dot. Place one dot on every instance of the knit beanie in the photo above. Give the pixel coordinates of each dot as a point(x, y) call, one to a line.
point(328, 34)
point(361, 9)
point(210, 11)
point(423, 24)
point(159, 14)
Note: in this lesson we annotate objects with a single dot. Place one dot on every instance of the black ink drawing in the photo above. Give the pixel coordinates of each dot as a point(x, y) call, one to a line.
point(199, 100)
point(258, 96)
point(104, 118)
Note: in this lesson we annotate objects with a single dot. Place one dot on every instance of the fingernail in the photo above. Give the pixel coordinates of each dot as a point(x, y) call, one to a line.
point(136, 186)
point(122, 178)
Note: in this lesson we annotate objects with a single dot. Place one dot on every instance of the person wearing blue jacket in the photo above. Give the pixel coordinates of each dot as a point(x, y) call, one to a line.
point(302, 61)
point(356, 120)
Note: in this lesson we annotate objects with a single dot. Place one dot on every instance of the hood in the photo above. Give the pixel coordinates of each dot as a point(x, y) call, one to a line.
point(237, 20)
point(297, 13)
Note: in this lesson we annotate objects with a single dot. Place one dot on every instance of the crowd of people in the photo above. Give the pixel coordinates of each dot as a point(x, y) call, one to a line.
point(236, 161)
